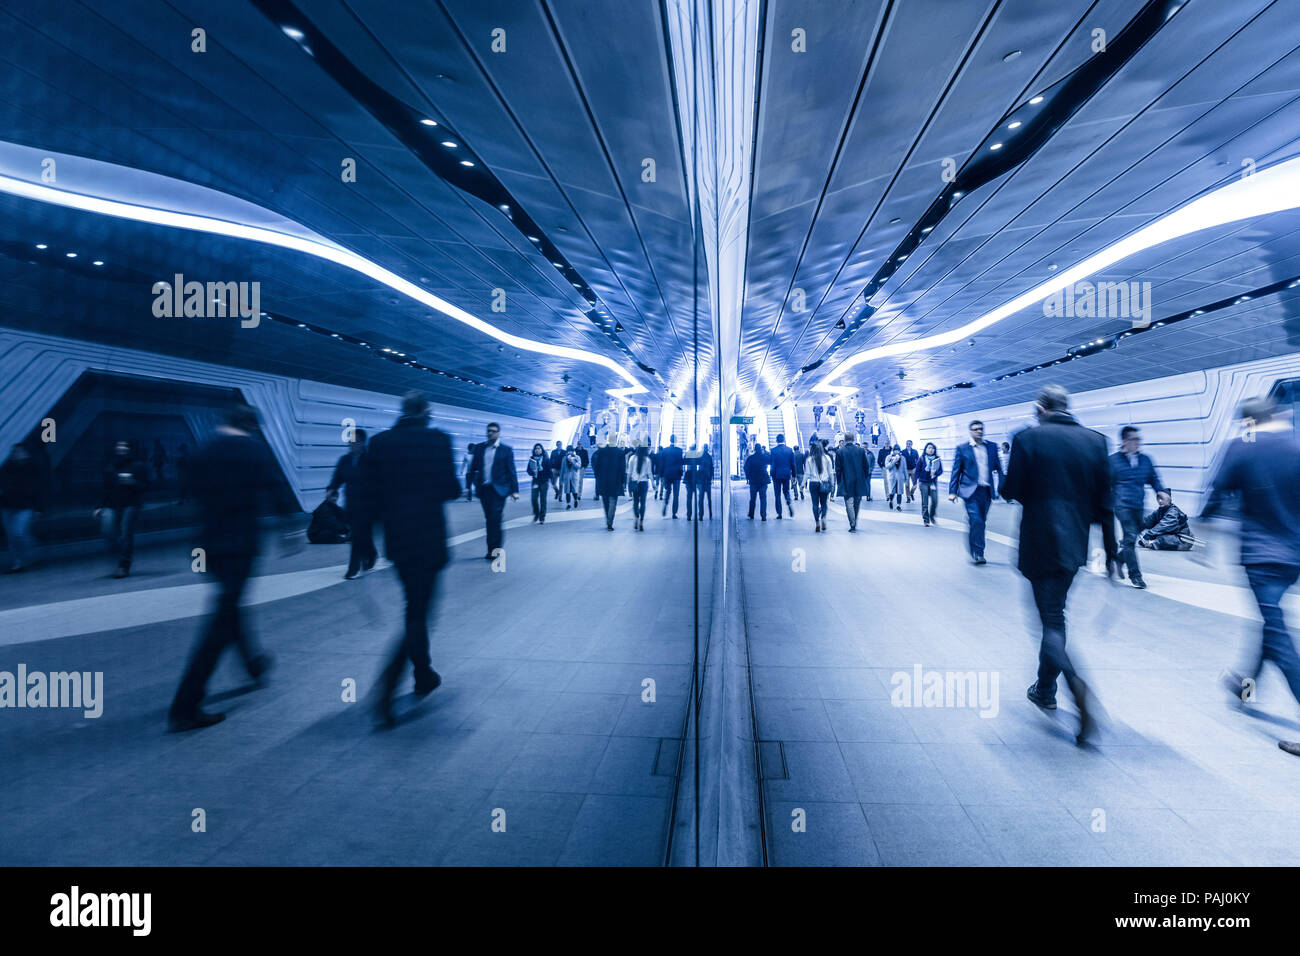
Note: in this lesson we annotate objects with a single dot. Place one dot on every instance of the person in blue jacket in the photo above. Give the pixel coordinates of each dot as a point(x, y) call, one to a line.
point(756, 475)
point(782, 471)
point(1130, 473)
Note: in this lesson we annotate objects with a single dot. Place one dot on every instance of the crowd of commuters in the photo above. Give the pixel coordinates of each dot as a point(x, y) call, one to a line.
point(1058, 471)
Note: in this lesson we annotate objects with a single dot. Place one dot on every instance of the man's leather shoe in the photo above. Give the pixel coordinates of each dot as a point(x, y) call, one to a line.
point(422, 690)
point(1137, 582)
point(1290, 747)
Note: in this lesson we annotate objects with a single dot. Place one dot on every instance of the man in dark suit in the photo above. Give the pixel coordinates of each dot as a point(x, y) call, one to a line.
point(557, 463)
point(1060, 474)
point(782, 473)
point(852, 474)
point(910, 457)
point(347, 476)
point(756, 476)
point(973, 467)
point(493, 473)
point(407, 474)
point(670, 470)
point(704, 483)
point(1130, 473)
point(610, 465)
point(235, 481)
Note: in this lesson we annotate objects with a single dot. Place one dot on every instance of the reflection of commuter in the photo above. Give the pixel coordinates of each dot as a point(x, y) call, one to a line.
point(1060, 474)
point(125, 479)
point(234, 480)
point(408, 474)
point(757, 477)
point(22, 494)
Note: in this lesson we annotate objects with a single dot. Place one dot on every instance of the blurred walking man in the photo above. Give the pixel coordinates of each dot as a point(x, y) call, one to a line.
point(1130, 473)
point(1263, 468)
point(407, 474)
point(234, 481)
point(1060, 474)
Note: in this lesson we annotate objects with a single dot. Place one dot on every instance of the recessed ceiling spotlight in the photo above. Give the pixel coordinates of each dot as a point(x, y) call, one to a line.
point(927, 228)
point(901, 258)
point(1007, 58)
point(892, 221)
point(533, 239)
point(1035, 101)
point(71, 255)
point(466, 162)
point(1015, 124)
point(99, 262)
point(293, 33)
point(958, 194)
point(1052, 267)
point(450, 144)
point(41, 245)
point(996, 146)
point(429, 122)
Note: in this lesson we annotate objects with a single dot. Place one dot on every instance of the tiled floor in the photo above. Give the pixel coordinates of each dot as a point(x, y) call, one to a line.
point(537, 749)
point(1178, 776)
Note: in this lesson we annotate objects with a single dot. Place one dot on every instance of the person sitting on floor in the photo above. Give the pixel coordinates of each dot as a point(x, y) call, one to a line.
point(1166, 528)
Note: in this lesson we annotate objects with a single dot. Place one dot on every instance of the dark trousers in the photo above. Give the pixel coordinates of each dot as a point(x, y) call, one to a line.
point(231, 572)
point(363, 553)
point(781, 487)
point(540, 491)
point(929, 498)
point(418, 575)
point(494, 504)
point(639, 491)
point(818, 492)
point(121, 534)
point(1270, 582)
point(690, 499)
point(1130, 524)
point(469, 489)
point(702, 494)
point(852, 503)
point(672, 488)
point(1053, 661)
point(611, 505)
point(758, 493)
point(977, 511)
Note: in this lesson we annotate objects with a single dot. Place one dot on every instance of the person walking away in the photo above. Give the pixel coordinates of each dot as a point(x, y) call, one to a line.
point(756, 475)
point(234, 482)
point(821, 479)
point(853, 475)
point(610, 467)
point(640, 472)
point(670, 468)
point(494, 476)
point(704, 483)
point(466, 461)
point(158, 458)
point(347, 476)
point(408, 475)
point(1061, 477)
point(800, 472)
point(973, 466)
point(1262, 470)
point(22, 494)
point(539, 469)
point(583, 461)
point(926, 476)
point(1130, 472)
point(125, 479)
point(690, 461)
point(782, 473)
